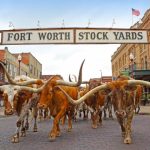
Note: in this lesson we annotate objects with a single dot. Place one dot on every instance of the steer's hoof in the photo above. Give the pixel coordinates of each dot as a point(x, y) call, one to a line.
point(23, 134)
point(94, 126)
point(15, 139)
point(35, 130)
point(127, 141)
point(104, 118)
point(58, 134)
point(69, 130)
point(26, 126)
point(52, 137)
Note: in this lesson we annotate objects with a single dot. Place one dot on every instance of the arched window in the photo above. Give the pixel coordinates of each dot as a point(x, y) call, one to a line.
point(142, 63)
point(146, 62)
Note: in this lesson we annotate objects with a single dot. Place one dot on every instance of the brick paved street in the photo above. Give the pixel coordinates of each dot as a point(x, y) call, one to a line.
point(82, 137)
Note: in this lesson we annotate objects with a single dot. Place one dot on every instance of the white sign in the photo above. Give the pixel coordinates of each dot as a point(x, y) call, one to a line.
point(73, 36)
point(110, 36)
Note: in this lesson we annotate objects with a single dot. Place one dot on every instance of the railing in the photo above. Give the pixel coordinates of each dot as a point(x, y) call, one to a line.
point(140, 66)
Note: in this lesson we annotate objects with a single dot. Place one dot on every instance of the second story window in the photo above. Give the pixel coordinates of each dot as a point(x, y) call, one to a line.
point(31, 68)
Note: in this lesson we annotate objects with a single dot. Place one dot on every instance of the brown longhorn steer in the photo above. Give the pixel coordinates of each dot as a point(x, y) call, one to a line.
point(95, 102)
point(107, 110)
point(51, 97)
point(124, 101)
point(57, 102)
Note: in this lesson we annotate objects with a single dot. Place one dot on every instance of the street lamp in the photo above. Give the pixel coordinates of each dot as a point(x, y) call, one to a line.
point(131, 56)
point(101, 76)
point(19, 60)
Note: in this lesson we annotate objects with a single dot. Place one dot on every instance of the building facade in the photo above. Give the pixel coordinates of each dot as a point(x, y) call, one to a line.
point(34, 66)
point(133, 59)
point(28, 65)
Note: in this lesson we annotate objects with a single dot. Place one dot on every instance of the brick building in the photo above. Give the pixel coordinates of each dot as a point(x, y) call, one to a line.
point(29, 65)
point(103, 79)
point(34, 66)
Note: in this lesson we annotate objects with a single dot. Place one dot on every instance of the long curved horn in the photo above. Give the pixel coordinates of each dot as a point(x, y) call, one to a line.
point(138, 82)
point(75, 78)
point(70, 78)
point(84, 97)
point(18, 88)
point(32, 81)
point(34, 90)
point(61, 82)
point(7, 74)
point(103, 87)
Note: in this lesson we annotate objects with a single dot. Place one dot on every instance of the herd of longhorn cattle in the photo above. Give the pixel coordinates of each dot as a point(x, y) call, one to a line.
point(62, 100)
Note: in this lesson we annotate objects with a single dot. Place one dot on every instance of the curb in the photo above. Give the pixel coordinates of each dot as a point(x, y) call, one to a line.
point(144, 113)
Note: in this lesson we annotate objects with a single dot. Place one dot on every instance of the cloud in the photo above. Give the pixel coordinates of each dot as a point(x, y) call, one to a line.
point(66, 59)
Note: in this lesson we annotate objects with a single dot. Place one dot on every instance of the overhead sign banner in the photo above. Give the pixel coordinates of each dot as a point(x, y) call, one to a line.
point(73, 36)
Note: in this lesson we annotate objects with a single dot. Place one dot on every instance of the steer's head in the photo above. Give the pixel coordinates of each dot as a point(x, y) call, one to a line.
point(7, 105)
point(119, 99)
point(10, 91)
point(46, 94)
point(20, 98)
point(8, 96)
point(123, 96)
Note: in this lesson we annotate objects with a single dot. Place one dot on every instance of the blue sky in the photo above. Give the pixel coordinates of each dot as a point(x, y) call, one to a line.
point(26, 13)
point(65, 59)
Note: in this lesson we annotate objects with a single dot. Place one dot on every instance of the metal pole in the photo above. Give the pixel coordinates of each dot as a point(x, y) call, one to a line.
point(132, 63)
point(101, 76)
point(19, 67)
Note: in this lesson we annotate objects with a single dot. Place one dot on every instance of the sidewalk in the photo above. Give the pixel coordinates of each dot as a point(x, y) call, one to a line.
point(144, 110)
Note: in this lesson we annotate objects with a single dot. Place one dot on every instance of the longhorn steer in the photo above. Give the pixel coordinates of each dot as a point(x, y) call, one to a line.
point(124, 101)
point(108, 107)
point(22, 103)
point(22, 100)
point(19, 99)
point(56, 101)
point(51, 97)
point(95, 103)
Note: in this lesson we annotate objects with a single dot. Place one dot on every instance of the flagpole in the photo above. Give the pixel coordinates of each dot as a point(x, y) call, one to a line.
point(132, 16)
point(132, 19)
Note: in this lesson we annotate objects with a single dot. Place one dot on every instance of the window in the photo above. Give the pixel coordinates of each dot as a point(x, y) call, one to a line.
point(145, 62)
point(31, 68)
point(37, 73)
point(142, 63)
point(34, 70)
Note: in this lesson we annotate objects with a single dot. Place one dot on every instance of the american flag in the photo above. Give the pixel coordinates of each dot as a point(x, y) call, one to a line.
point(135, 12)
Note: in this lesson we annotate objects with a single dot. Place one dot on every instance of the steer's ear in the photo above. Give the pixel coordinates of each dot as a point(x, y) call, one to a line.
point(130, 88)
